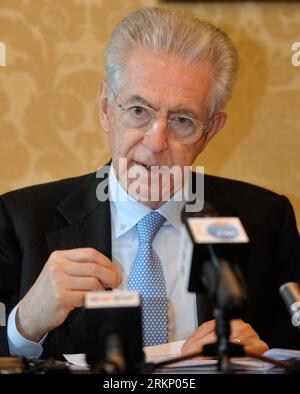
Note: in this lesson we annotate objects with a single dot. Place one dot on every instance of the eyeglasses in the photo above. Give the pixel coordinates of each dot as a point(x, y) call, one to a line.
point(184, 129)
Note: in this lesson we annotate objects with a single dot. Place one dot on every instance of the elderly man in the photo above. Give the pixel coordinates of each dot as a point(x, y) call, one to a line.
point(168, 78)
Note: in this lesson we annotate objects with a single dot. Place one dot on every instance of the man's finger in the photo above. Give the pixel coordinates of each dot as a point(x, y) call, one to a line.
point(108, 277)
point(203, 330)
point(87, 255)
point(82, 283)
point(192, 345)
point(240, 329)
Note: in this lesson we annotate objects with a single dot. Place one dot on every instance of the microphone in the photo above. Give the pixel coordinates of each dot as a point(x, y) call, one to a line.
point(114, 331)
point(290, 292)
point(210, 249)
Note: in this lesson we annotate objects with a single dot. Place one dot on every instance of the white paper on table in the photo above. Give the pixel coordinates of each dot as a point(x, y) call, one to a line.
point(282, 354)
point(163, 352)
point(76, 359)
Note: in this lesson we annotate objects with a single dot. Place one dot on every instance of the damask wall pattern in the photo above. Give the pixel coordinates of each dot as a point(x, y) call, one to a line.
point(48, 118)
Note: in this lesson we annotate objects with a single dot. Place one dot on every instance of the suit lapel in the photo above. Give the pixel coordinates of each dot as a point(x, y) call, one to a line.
point(88, 219)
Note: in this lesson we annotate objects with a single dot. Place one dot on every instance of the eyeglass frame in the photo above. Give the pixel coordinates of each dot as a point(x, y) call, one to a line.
point(203, 126)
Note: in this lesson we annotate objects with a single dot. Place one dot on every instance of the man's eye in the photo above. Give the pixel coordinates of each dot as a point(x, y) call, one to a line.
point(182, 121)
point(138, 111)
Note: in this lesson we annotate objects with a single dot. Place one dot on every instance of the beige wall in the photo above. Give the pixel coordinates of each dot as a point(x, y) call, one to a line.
point(48, 120)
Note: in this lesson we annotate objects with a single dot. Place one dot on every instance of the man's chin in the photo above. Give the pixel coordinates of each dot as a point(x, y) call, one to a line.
point(150, 194)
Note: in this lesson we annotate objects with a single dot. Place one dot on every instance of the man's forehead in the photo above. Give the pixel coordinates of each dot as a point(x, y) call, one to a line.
point(147, 74)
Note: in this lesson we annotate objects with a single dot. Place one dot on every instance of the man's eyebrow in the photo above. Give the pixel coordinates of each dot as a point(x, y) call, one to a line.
point(134, 99)
point(176, 110)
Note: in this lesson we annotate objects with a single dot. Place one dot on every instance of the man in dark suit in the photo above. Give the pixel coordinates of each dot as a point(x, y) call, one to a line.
point(168, 78)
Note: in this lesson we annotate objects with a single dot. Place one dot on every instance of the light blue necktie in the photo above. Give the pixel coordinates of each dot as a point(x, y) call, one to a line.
point(147, 277)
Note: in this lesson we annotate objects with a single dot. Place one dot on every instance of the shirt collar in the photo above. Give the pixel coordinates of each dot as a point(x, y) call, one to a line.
point(127, 211)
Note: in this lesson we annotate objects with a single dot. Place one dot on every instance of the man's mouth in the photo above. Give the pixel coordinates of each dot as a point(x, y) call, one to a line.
point(147, 166)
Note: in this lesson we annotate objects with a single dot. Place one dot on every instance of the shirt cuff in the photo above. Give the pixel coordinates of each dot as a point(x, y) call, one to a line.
point(18, 345)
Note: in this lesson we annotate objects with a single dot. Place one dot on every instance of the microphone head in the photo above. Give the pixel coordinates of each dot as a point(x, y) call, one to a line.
point(203, 232)
point(290, 293)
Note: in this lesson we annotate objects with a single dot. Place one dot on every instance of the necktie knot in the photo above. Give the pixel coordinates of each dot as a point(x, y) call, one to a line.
point(148, 227)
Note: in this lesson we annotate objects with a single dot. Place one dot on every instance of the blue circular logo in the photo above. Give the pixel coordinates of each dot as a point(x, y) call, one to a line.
point(223, 230)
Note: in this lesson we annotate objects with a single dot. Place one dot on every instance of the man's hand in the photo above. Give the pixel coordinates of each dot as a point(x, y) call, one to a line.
point(241, 333)
point(61, 286)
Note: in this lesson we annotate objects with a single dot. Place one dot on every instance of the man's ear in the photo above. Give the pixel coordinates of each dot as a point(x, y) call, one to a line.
point(103, 107)
point(216, 123)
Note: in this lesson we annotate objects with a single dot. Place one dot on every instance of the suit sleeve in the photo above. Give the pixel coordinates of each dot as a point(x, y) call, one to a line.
point(287, 268)
point(10, 258)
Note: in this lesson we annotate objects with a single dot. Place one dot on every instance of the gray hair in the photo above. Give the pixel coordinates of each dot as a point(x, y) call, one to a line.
point(171, 32)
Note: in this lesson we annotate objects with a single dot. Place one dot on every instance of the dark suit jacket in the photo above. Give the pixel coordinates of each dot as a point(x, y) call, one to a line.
point(66, 214)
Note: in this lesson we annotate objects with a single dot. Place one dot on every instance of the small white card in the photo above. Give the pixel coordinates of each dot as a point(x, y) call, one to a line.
point(214, 230)
point(112, 299)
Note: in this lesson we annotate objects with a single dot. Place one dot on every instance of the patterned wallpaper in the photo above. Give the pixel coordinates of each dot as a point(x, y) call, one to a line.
point(48, 121)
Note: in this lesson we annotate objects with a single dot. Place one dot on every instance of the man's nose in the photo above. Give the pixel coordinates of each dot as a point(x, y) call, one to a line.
point(156, 138)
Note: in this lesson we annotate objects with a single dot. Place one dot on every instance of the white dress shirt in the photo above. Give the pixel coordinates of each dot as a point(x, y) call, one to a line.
point(125, 214)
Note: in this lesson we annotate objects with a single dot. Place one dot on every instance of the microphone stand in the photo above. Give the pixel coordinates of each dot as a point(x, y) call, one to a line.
point(225, 284)
point(223, 349)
